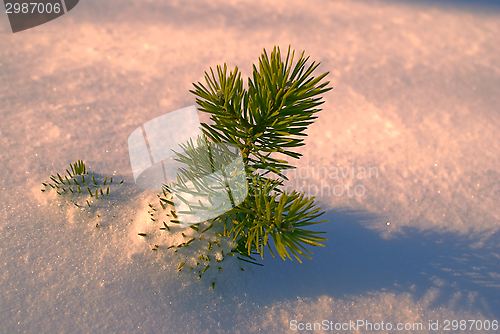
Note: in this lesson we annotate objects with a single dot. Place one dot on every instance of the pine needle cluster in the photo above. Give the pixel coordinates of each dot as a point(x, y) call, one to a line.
point(79, 186)
point(266, 121)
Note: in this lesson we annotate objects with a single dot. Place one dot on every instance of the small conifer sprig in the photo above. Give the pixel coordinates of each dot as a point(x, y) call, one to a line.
point(79, 186)
point(266, 122)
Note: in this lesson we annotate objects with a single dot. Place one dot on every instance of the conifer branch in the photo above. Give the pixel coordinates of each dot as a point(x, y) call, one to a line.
point(266, 122)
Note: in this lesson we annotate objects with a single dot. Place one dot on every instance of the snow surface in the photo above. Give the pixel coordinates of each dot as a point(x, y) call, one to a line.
point(416, 96)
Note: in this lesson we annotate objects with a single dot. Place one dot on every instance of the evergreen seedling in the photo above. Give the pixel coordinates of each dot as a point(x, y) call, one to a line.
point(65, 187)
point(266, 122)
